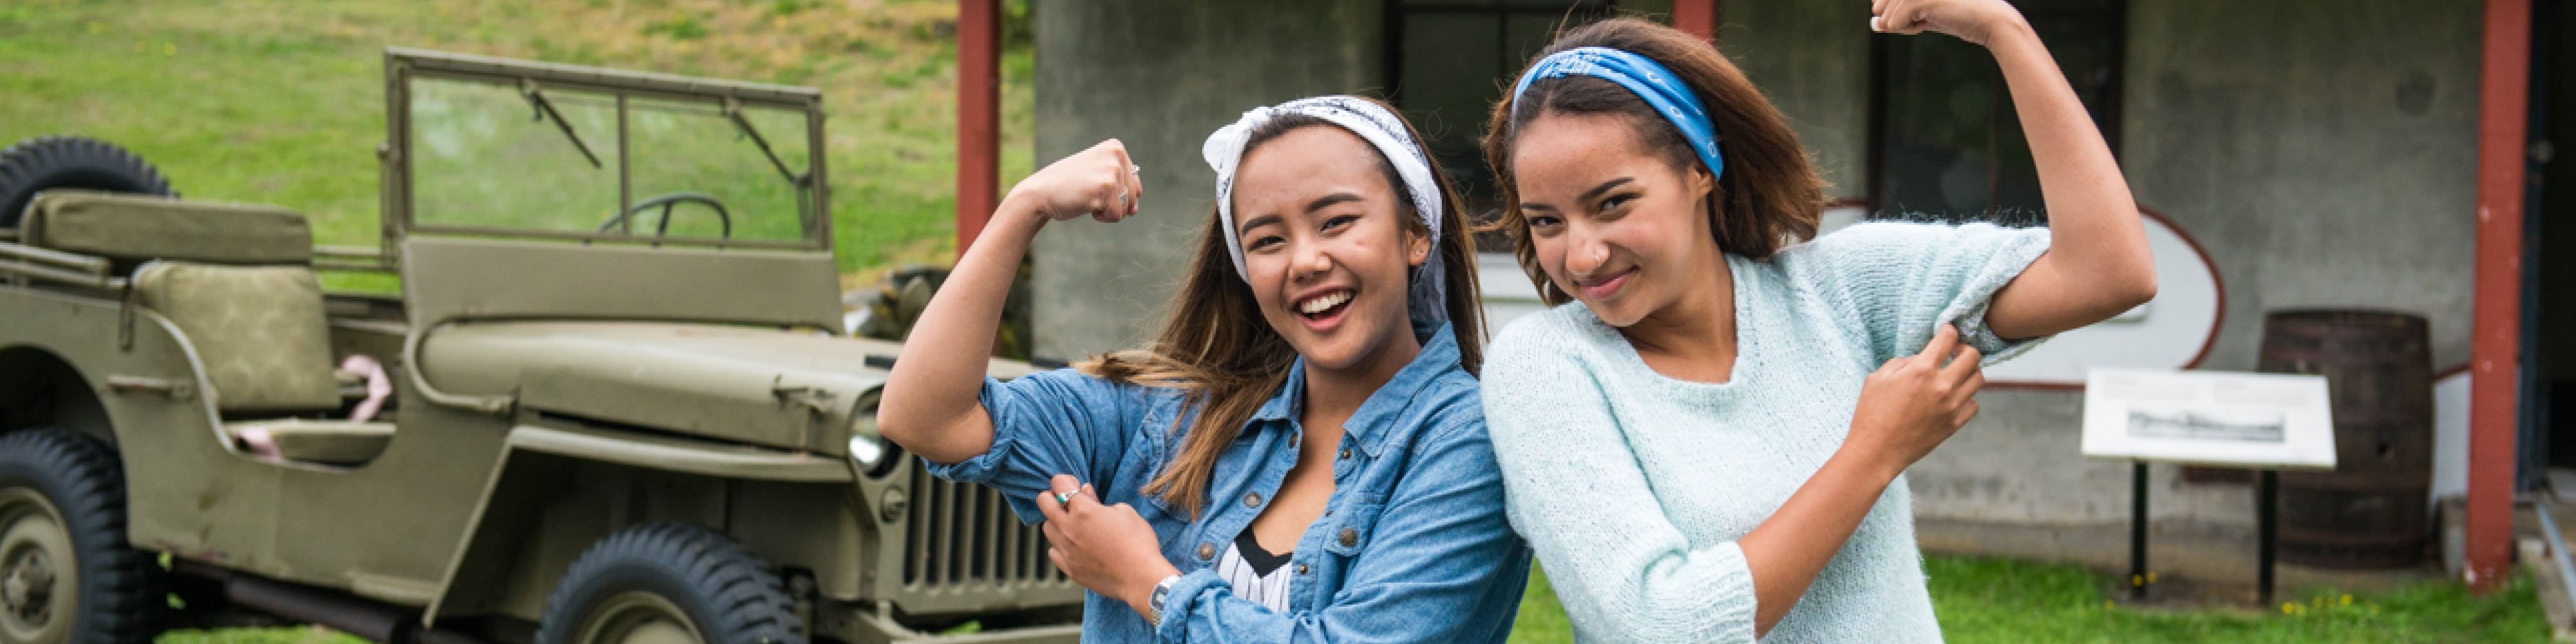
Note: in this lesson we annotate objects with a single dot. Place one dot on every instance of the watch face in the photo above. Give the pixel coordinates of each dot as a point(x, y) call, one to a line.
point(1162, 591)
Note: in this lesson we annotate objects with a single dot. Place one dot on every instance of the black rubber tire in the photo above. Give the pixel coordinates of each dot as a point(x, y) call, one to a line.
point(118, 596)
point(726, 595)
point(48, 162)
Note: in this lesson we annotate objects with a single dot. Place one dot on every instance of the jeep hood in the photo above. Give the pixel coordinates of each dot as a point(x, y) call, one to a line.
point(784, 389)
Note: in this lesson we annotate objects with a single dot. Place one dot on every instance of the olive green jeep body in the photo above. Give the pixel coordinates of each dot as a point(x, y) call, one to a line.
point(574, 387)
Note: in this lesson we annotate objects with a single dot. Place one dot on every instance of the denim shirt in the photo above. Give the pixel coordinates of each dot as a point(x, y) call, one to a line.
point(1412, 546)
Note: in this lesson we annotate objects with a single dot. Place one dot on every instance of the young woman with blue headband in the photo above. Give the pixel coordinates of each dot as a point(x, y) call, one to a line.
point(1705, 442)
point(1300, 454)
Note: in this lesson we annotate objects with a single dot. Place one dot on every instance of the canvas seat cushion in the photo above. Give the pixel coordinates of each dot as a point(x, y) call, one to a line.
point(259, 330)
point(136, 228)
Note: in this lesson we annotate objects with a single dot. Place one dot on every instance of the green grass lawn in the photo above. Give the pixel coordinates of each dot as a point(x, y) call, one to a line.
point(1995, 600)
point(282, 101)
point(291, 635)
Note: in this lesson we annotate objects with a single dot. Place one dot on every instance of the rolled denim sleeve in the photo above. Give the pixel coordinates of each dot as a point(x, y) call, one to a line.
point(1439, 564)
point(1045, 424)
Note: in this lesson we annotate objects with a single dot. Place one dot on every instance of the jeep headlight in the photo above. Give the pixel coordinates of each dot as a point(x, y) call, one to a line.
point(867, 447)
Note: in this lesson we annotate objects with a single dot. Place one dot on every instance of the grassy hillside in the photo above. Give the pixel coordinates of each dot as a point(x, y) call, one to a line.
point(282, 101)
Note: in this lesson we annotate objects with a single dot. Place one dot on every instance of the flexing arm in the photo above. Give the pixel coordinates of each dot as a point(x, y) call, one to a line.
point(2098, 263)
point(929, 404)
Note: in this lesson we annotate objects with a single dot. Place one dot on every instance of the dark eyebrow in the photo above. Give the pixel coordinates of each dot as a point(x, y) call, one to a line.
point(1258, 222)
point(1588, 195)
point(1327, 200)
point(1605, 186)
point(1319, 203)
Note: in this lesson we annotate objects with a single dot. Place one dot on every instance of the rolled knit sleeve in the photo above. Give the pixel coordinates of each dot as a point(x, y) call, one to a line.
point(1045, 424)
point(1574, 487)
point(1896, 280)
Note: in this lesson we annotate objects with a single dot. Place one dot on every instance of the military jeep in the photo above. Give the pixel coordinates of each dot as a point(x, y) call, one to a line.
point(613, 404)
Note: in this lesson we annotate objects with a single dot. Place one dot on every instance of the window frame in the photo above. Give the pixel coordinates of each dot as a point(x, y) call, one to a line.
point(2109, 120)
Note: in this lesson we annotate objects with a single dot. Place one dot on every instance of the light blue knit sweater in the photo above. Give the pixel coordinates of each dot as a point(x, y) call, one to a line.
point(1634, 487)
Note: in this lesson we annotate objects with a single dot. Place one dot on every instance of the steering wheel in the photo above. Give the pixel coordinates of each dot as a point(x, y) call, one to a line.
point(668, 201)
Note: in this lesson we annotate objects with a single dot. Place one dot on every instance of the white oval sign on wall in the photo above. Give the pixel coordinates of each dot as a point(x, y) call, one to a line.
point(2173, 331)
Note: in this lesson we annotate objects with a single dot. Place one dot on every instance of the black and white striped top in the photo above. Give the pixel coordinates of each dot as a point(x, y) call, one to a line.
point(1256, 574)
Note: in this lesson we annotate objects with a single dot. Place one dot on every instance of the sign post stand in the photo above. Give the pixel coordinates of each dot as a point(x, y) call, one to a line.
point(2261, 421)
point(2267, 508)
point(2137, 530)
point(2267, 519)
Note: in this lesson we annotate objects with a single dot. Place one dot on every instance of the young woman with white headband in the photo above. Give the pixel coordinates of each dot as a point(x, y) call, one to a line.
point(1707, 445)
point(1300, 454)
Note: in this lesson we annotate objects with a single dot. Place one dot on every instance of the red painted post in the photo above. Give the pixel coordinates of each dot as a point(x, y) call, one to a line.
point(979, 116)
point(1696, 17)
point(2495, 331)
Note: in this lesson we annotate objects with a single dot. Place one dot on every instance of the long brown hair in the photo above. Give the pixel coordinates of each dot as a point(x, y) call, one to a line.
point(1216, 346)
point(1769, 195)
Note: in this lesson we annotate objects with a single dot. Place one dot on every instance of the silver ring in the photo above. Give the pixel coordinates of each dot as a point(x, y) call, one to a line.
point(1063, 500)
point(1135, 169)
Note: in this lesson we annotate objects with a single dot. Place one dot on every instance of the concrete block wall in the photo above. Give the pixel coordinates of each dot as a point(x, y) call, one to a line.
point(1812, 60)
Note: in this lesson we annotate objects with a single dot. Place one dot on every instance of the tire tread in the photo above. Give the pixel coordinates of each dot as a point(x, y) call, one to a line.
point(120, 583)
point(54, 161)
point(745, 602)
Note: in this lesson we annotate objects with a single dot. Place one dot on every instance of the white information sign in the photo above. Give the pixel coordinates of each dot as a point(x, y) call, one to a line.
point(2262, 420)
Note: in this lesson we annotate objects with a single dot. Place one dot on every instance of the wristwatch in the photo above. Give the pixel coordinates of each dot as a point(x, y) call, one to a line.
point(1154, 602)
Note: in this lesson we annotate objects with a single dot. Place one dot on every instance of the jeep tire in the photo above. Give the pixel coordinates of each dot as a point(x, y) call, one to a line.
point(668, 583)
point(66, 573)
point(48, 162)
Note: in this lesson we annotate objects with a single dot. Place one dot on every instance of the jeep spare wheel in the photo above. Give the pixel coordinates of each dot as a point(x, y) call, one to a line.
point(48, 162)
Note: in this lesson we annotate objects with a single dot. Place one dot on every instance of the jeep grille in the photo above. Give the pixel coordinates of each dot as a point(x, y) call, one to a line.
point(963, 534)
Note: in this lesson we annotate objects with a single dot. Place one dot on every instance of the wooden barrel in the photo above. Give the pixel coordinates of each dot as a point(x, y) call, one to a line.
point(2372, 511)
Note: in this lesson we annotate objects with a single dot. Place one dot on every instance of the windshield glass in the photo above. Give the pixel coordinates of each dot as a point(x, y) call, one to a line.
point(502, 159)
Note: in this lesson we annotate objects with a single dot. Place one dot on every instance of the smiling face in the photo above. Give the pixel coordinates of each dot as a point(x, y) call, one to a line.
point(1326, 247)
point(1613, 222)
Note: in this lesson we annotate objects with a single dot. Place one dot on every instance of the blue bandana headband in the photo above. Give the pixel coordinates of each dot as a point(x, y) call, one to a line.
point(1663, 91)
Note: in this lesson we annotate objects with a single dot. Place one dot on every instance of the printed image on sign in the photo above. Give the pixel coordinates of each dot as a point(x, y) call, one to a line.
point(2209, 417)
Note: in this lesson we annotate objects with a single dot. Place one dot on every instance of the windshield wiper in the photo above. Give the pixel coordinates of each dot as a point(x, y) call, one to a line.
point(733, 112)
point(546, 109)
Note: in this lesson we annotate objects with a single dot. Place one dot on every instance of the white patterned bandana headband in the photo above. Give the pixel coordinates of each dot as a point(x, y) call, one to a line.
point(1426, 298)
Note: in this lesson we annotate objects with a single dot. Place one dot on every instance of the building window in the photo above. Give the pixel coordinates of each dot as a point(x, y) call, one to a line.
point(1452, 59)
point(1945, 142)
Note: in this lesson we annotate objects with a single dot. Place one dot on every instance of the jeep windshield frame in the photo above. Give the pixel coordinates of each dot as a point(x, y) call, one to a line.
point(542, 88)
